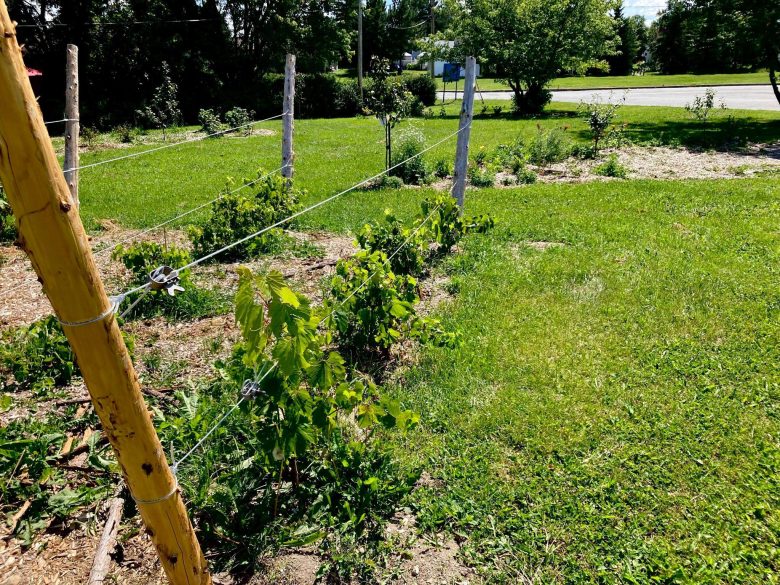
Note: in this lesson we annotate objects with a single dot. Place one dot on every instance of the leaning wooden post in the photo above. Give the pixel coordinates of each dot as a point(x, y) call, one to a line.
point(288, 121)
point(466, 117)
point(71, 162)
point(51, 233)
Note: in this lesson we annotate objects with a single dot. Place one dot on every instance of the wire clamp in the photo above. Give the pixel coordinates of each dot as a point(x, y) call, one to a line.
point(250, 390)
point(165, 278)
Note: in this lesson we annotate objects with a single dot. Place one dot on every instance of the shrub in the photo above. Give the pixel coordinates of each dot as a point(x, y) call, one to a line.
point(125, 133)
point(702, 106)
point(239, 215)
point(240, 119)
point(446, 224)
point(89, 135)
point(301, 463)
point(423, 87)
point(549, 147)
point(163, 109)
point(191, 303)
point(384, 182)
point(599, 115)
point(7, 223)
point(37, 356)
point(611, 168)
point(481, 176)
point(391, 236)
point(524, 175)
point(443, 168)
point(371, 308)
point(210, 123)
point(410, 144)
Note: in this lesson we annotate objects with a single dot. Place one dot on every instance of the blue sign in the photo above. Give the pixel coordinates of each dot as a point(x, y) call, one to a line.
point(451, 72)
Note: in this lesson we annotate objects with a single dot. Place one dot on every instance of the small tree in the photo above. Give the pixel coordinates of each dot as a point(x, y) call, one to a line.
point(389, 102)
point(702, 106)
point(599, 115)
point(163, 111)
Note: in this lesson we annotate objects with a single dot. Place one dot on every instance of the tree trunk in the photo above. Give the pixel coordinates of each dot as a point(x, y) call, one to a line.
point(773, 81)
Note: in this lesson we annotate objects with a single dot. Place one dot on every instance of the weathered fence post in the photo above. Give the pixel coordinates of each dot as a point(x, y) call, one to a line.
point(71, 162)
point(52, 235)
point(288, 120)
point(466, 116)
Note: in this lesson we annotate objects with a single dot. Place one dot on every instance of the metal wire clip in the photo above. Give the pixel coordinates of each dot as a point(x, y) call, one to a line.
point(250, 390)
point(165, 278)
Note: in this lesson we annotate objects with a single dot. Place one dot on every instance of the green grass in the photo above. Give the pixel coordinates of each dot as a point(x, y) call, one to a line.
point(619, 82)
point(613, 415)
point(335, 154)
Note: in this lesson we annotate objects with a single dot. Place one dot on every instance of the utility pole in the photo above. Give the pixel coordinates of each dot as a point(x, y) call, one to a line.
point(360, 48)
point(433, 32)
point(52, 235)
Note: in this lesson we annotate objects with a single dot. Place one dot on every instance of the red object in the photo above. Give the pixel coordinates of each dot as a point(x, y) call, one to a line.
point(33, 73)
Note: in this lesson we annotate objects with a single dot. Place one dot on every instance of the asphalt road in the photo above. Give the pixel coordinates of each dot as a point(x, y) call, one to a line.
point(743, 97)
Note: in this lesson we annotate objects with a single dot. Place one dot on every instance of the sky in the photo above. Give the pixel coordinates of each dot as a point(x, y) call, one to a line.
point(647, 8)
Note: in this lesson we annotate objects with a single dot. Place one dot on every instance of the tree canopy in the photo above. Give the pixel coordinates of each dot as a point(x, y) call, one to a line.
point(530, 42)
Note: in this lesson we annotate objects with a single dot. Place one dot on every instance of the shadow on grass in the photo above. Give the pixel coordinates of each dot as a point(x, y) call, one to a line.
point(719, 134)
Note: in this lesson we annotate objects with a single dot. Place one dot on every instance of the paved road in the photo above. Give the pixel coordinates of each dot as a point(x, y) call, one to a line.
point(747, 97)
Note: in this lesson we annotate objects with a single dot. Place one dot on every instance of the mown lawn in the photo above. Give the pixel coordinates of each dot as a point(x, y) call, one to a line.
point(332, 155)
point(613, 416)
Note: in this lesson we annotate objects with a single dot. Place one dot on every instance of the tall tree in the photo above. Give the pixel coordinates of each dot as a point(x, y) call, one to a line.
point(628, 47)
point(530, 42)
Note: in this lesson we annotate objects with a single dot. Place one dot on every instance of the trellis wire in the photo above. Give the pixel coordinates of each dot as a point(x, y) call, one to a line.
point(166, 146)
point(236, 405)
point(299, 213)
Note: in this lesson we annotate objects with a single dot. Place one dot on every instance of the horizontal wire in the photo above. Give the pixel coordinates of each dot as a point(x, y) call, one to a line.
point(175, 465)
point(165, 146)
point(129, 22)
point(63, 120)
point(222, 195)
point(302, 212)
point(393, 255)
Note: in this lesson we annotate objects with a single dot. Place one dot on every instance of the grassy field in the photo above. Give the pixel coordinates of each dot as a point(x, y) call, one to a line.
point(613, 416)
point(621, 82)
point(335, 154)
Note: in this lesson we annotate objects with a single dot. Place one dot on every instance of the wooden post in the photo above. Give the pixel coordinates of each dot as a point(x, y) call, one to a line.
point(466, 117)
point(72, 129)
point(51, 233)
point(360, 49)
point(288, 121)
point(431, 61)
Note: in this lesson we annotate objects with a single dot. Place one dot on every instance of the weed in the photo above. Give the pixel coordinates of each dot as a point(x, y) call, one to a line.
point(7, 223)
point(481, 176)
point(210, 123)
point(410, 145)
point(443, 168)
point(240, 118)
point(611, 168)
point(549, 147)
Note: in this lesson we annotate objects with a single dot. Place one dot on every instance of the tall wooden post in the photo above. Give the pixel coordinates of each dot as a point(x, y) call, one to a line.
point(71, 162)
point(288, 120)
point(466, 117)
point(360, 49)
point(53, 237)
point(431, 61)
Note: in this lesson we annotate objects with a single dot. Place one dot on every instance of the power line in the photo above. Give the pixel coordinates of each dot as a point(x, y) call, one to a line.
point(127, 23)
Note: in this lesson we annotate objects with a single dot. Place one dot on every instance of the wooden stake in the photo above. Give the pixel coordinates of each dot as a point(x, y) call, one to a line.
point(72, 128)
point(53, 237)
point(102, 561)
point(288, 121)
point(466, 117)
